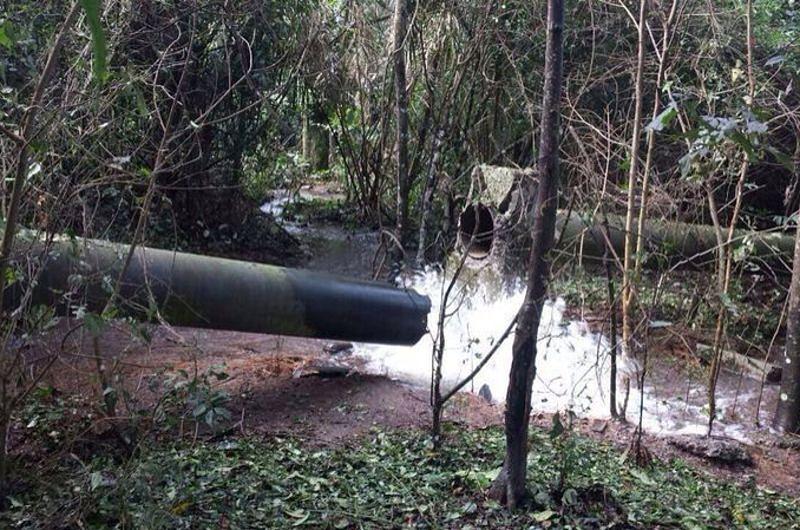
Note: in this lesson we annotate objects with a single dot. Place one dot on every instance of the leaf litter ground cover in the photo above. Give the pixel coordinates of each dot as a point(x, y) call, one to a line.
point(389, 479)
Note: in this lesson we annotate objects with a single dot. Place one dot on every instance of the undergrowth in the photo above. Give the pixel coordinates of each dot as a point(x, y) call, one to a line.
point(687, 298)
point(387, 480)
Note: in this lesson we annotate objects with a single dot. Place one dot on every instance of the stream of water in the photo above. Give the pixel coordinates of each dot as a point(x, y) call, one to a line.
point(573, 362)
point(572, 365)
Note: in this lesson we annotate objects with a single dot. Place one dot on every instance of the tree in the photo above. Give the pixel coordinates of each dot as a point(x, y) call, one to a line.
point(628, 292)
point(399, 33)
point(787, 417)
point(510, 484)
point(23, 139)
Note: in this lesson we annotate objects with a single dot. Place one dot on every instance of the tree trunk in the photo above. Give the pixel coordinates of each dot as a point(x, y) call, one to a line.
point(427, 198)
point(401, 114)
point(26, 136)
point(787, 417)
point(628, 267)
point(315, 141)
point(612, 308)
point(510, 484)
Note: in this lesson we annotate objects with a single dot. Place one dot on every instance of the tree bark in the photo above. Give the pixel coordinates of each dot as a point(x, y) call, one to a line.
point(427, 197)
point(399, 32)
point(787, 417)
point(511, 481)
point(628, 267)
point(315, 140)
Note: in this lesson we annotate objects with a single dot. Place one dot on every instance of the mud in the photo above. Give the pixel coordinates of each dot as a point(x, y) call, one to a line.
point(268, 399)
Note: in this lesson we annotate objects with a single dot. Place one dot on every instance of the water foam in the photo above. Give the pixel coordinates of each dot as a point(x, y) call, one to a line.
point(573, 363)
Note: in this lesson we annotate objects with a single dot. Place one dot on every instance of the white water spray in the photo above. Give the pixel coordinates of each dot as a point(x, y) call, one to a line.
point(572, 365)
point(572, 362)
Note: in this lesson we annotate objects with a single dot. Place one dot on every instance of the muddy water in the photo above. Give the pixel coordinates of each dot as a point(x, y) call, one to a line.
point(330, 248)
point(573, 362)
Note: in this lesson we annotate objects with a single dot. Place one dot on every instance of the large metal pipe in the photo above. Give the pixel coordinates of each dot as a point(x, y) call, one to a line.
point(491, 224)
point(676, 243)
point(666, 242)
point(206, 292)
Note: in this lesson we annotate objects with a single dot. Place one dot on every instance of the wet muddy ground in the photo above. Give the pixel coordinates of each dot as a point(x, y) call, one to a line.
point(282, 386)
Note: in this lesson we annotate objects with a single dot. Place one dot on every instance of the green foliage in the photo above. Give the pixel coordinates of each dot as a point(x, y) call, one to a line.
point(6, 34)
point(50, 419)
point(93, 9)
point(664, 118)
point(717, 142)
point(318, 210)
point(264, 171)
point(777, 28)
point(688, 298)
point(193, 396)
point(389, 480)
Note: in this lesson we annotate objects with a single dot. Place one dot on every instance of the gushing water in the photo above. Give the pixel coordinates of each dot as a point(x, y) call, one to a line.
point(572, 366)
point(573, 363)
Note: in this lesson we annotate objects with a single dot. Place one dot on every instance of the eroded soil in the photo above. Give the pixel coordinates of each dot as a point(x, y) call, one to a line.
point(276, 388)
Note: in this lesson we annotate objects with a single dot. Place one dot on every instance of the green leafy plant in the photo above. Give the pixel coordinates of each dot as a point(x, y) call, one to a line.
point(194, 396)
point(385, 480)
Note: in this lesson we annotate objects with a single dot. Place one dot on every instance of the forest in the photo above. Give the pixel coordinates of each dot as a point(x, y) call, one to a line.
point(436, 264)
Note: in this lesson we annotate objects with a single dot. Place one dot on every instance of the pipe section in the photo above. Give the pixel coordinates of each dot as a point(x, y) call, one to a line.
point(216, 293)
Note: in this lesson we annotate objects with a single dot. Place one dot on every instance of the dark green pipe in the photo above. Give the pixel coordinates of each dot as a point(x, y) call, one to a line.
point(674, 243)
point(216, 293)
point(666, 243)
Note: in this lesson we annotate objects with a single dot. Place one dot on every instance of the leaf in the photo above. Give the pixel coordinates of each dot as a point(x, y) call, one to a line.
point(301, 516)
point(744, 142)
point(772, 61)
point(570, 497)
point(642, 476)
point(34, 170)
point(181, 507)
point(543, 516)
point(95, 324)
point(729, 304)
point(782, 158)
point(542, 498)
point(663, 119)
point(6, 35)
point(14, 502)
point(755, 126)
point(96, 480)
point(743, 251)
point(199, 410)
point(92, 9)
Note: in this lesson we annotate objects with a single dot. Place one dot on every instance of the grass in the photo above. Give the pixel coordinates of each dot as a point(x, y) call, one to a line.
point(387, 480)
